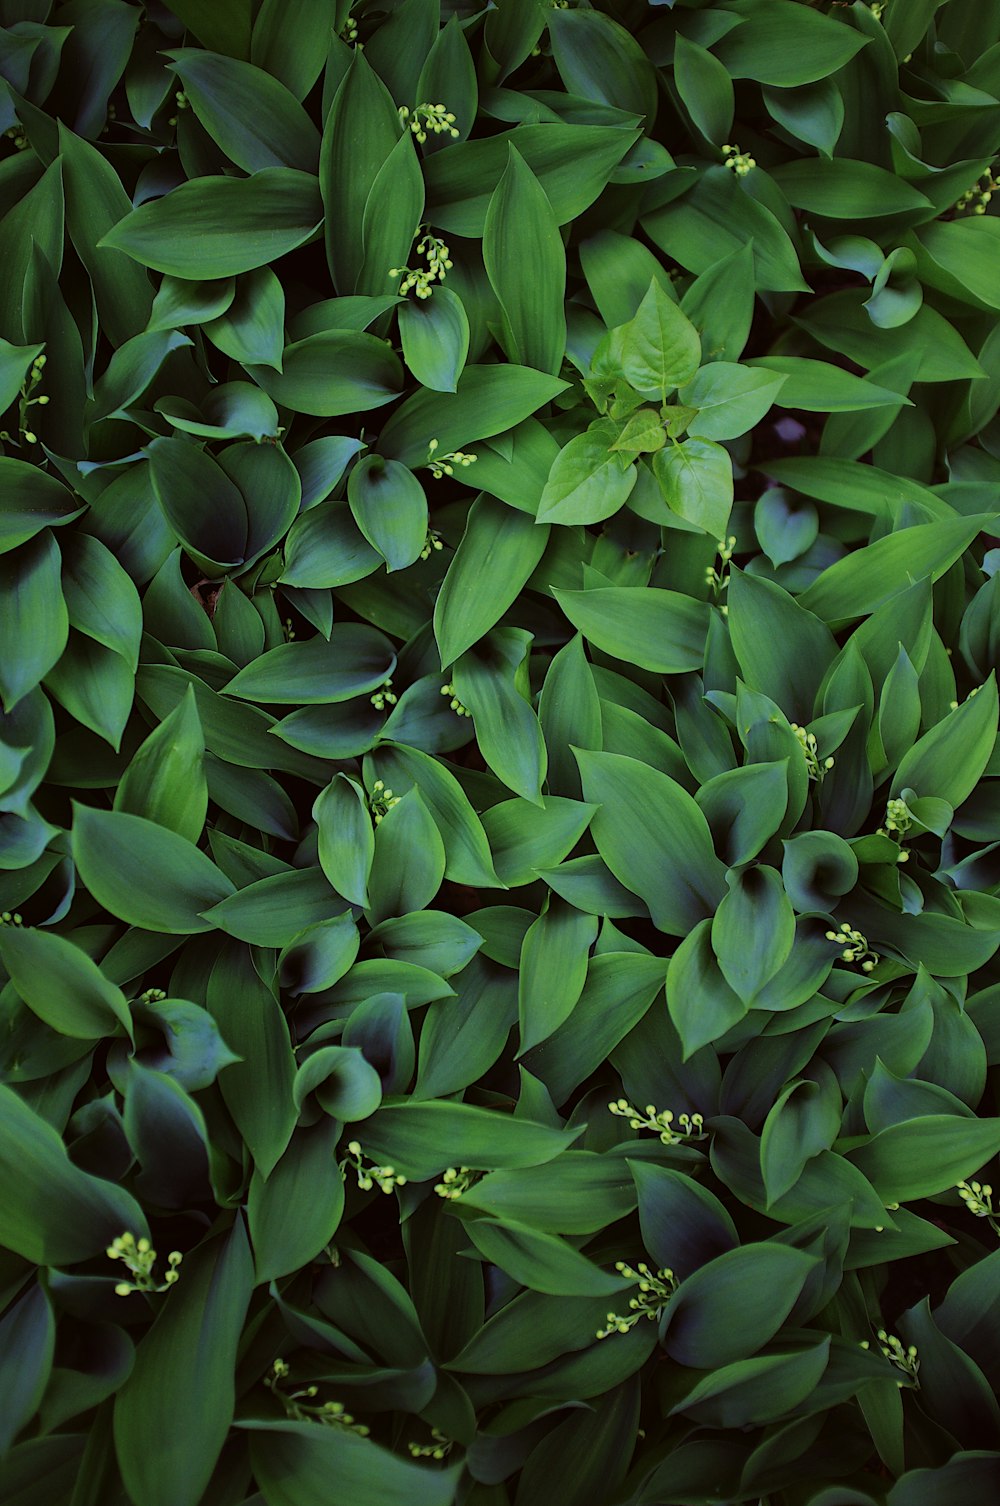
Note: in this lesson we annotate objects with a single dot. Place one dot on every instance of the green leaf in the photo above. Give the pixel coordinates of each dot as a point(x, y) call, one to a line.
point(756, 1391)
point(423, 1139)
point(846, 190)
point(222, 27)
point(598, 59)
point(654, 838)
point(343, 1083)
point(257, 1090)
point(619, 990)
point(753, 930)
point(247, 112)
point(233, 410)
point(488, 400)
point(325, 547)
point(27, 1345)
point(36, 625)
point(553, 969)
point(696, 481)
point(95, 201)
point(733, 1305)
point(461, 1038)
point(115, 855)
point(571, 162)
point(346, 839)
point(101, 600)
point(526, 264)
point(332, 373)
point(683, 1223)
point(577, 1193)
point(803, 1122)
point(361, 130)
point(702, 1005)
point(499, 545)
point(964, 249)
point(296, 1212)
point(925, 1156)
point(435, 336)
point(491, 681)
point(542, 1262)
point(203, 1316)
point(62, 985)
point(730, 399)
point(391, 219)
point(657, 629)
point(744, 808)
point(54, 1213)
point(275, 909)
point(763, 621)
point(353, 661)
point(860, 582)
point(588, 481)
point(390, 508)
point(318, 955)
point(618, 270)
point(705, 88)
point(787, 44)
point(408, 862)
point(813, 113)
point(819, 387)
point(659, 346)
point(299, 1464)
point(217, 227)
point(201, 503)
point(717, 217)
point(95, 686)
point(525, 837)
point(252, 327)
point(466, 848)
point(949, 760)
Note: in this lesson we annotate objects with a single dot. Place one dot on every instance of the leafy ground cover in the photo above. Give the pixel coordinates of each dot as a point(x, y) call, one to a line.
point(499, 780)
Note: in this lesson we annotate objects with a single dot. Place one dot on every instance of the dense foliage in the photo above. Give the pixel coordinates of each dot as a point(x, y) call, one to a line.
point(500, 837)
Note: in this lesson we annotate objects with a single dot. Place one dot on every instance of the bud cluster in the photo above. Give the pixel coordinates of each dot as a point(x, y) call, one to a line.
point(438, 263)
point(718, 579)
point(456, 1180)
point(977, 198)
point(978, 1199)
point(26, 401)
point(386, 1178)
point(442, 465)
point(655, 1291)
point(139, 1257)
point(855, 947)
point(904, 1359)
point(689, 1126)
point(441, 1446)
point(383, 697)
point(381, 799)
point(455, 704)
point(424, 118)
point(431, 544)
point(298, 1404)
point(8, 918)
point(816, 767)
point(739, 162)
